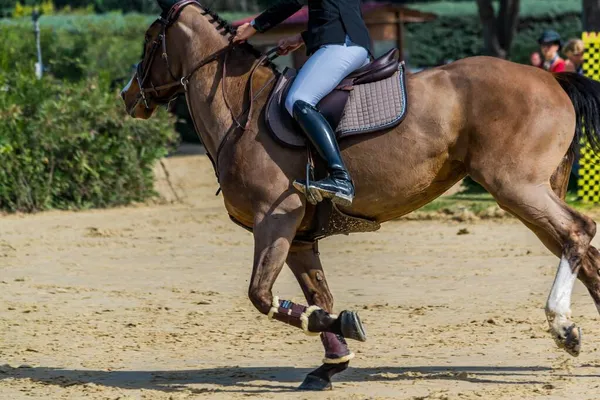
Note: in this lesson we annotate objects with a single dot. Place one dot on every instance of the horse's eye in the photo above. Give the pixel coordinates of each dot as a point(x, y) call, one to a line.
point(147, 38)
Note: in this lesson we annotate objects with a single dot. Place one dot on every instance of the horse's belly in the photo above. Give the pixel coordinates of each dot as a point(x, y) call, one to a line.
point(391, 182)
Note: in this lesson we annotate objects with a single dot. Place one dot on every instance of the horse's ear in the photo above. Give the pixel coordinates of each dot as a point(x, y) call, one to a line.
point(166, 5)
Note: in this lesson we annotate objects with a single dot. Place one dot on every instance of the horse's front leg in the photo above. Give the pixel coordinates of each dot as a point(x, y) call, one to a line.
point(274, 232)
point(304, 261)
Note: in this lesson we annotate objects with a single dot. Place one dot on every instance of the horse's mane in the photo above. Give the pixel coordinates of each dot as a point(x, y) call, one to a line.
point(225, 28)
point(231, 31)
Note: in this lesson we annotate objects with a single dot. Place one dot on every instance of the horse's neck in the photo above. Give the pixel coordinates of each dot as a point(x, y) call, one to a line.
point(206, 101)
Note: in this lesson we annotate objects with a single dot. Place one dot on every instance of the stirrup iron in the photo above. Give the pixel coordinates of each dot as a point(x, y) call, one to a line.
point(310, 196)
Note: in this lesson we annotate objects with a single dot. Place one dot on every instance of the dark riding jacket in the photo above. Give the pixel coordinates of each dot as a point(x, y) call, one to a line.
point(329, 21)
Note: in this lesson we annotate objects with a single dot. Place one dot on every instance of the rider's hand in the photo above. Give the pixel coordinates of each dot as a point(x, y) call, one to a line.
point(290, 44)
point(244, 32)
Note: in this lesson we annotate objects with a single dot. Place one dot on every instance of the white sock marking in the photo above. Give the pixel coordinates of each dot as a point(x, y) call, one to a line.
point(559, 301)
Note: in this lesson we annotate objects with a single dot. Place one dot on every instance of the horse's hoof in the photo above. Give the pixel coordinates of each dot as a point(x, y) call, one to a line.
point(312, 382)
point(569, 339)
point(351, 326)
point(572, 340)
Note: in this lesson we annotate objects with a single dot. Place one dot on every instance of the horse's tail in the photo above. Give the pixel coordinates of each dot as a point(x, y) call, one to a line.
point(585, 96)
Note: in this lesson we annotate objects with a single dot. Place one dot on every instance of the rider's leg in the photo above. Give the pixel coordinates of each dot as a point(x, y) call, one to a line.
point(323, 71)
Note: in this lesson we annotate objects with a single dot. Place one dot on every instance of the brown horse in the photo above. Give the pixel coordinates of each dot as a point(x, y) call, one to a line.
point(512, 128)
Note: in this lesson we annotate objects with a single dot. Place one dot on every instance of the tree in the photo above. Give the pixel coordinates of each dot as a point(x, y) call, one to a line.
point(499, 30)
point(591, 15)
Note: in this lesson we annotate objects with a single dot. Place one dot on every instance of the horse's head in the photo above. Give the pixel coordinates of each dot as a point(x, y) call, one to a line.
point(159, 77)
point(189, 47)
point(154, 83)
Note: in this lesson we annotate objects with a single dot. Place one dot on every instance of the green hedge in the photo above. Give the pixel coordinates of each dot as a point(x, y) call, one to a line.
point(529, 8)
point(451, 38)
point(103, 46)
point(143, 6)
point(75, 48)
point(7, 7)
point(457, 31)
point(71, 145)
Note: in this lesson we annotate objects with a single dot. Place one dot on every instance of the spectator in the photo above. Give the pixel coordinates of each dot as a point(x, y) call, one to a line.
point(550, 44)
point(574, 50)
point(536, 59)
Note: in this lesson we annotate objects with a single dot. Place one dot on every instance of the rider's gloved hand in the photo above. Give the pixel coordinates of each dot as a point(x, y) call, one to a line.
point(290, 44)
point(244, 32)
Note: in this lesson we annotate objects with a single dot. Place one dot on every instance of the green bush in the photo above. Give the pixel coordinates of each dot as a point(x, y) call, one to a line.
point(457, 31)
point(144, 6)
point(71, 145)
point(452, 38)
point(529, 8)
point(79, 47)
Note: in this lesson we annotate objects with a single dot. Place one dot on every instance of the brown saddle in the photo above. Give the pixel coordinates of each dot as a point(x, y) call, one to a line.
point(370, 99)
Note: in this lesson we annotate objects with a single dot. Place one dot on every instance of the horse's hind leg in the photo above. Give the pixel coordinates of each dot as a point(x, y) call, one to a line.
point(589, 274)
point(566, 233)
point(304, 261)
point(559, 183)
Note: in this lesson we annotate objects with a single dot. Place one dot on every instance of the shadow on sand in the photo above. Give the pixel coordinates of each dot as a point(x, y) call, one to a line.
point(268, 379)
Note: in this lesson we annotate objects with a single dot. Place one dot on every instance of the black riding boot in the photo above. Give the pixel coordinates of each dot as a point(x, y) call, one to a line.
point(337, 186)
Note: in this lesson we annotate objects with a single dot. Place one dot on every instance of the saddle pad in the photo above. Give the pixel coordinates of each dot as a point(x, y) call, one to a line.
point(371, 107)
point(374, 106)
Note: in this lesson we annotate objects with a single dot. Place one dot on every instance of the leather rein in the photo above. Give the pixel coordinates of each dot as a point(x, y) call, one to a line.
point(143, 75)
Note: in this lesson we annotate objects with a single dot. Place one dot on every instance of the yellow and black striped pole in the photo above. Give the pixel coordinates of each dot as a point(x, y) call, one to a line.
point(588, 183)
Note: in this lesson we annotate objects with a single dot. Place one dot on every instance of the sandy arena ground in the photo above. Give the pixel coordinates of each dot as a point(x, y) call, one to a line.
point(149, 302)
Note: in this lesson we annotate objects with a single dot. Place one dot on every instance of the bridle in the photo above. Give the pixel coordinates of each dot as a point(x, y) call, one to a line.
point(143, 72)
point(143, 75)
